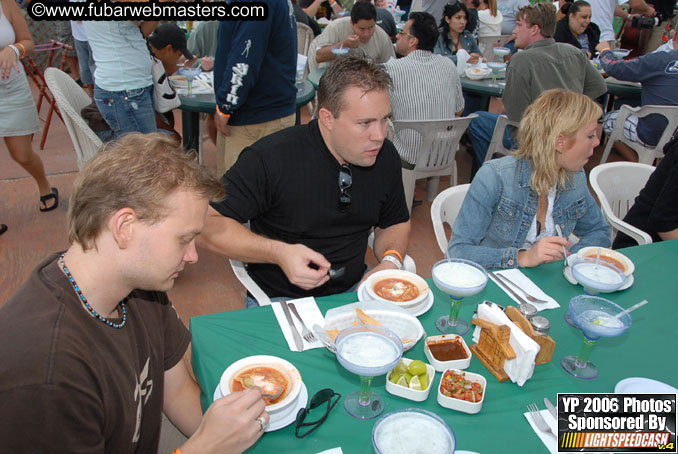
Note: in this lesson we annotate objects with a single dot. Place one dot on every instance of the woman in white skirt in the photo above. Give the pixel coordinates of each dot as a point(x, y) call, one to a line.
point(18, 116)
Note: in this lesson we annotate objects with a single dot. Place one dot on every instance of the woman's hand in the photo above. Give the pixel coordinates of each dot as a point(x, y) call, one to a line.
point(473, 59)
point(8, 59)
point(548, 249)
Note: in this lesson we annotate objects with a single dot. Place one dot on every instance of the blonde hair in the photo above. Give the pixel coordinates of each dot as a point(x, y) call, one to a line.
point(138, 171)
point(553, 113)
point(542, 15)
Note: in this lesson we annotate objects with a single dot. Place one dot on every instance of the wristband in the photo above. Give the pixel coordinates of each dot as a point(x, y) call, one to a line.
point(225, 115)
point(393, 259)
point(16, 50)
point(332, 2)
point(394, 252)
point(178, 451)
point(23, 49)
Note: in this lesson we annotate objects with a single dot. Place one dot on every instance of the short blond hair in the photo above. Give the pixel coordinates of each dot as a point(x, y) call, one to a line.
point(138, 171)
point(541, 14)
point(553, 113)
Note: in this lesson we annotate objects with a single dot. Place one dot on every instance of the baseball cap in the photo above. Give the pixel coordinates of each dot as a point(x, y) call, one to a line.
point(171, 34)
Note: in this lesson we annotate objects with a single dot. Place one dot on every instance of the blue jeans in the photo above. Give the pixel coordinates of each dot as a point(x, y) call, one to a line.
point(85, 61)
point(481, 130)
point(128, 110)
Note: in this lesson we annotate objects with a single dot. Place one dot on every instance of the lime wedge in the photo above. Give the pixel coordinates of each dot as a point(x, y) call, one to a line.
point(395, 376)
point(401, 368)
point(415, 383)
point(402, 381)
point(417, 367)
point(423, 378)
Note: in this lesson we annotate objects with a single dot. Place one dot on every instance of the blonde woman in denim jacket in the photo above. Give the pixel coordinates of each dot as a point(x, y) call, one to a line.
point(509, 215)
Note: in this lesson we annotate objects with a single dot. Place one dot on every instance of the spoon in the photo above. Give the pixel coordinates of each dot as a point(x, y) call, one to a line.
point(632, 308)
point(246, 382)
point(336, 273)
point(560, 233)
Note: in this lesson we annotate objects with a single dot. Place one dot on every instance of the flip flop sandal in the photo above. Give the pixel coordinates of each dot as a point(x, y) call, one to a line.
point(3, 228)
point(46, 198)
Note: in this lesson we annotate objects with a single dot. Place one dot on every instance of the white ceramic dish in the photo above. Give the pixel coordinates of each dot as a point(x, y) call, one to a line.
point(567, 272)
point(375, 278)
point(463, 405)
point(590, 251)
point(416, 310)
point(408, 393)
point(291, 372)
point(640, 385)
point(284, 419)
point(478, 73)
point(441, 366)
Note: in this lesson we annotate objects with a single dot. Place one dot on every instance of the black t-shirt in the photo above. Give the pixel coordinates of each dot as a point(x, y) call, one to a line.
point(287, 186)
point(664, 8)
point(656, 207)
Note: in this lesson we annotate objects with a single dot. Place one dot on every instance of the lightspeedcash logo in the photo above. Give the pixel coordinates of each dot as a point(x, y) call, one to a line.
point(42, 10)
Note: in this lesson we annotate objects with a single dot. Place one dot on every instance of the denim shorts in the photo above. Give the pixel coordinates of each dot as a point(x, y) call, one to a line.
point(128, 110)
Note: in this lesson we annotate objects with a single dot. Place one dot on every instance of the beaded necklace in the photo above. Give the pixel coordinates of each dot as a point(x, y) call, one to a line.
point(89, 307)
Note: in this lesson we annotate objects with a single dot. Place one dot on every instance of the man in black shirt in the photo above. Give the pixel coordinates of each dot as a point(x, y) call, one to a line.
point(312, 193)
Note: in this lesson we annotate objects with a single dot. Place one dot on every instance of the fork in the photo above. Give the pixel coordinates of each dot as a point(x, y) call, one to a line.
point(306, 333)
point(539, 420)
point(531, 298)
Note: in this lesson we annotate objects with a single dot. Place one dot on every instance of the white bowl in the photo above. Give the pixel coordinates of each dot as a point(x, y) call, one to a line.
point(397, 274)
point(462, 405)
point(478, 73)
point(627, 265)
point(291, 393)
point(441, 366)
point(408, 393)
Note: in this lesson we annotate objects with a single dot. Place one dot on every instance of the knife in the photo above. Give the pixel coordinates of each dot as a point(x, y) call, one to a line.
point(295, 334)
point(499, 280)
point(551, 408)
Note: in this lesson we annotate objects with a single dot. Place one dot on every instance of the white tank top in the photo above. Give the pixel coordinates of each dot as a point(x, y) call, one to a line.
point(7, 36)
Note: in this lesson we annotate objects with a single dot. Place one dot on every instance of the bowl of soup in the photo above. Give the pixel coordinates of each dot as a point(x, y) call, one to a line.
point(270, 373)
point(614, 258)
point(399, 287)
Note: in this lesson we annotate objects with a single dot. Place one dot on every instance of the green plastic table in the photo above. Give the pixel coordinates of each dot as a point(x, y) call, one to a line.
point(645, 350)
point(315, 75)
point(206, 103)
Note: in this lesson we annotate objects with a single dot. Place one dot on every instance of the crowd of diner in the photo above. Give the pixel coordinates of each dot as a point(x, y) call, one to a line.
point(297, 203)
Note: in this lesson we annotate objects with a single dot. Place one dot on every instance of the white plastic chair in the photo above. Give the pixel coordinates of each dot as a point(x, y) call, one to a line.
point(617, 184)
point(445, 209)
point(71, 98)
point(304, 38)
point(497, 141)
point(240, 271)
point(646, 155)
point(486, 43)
point(439, 145)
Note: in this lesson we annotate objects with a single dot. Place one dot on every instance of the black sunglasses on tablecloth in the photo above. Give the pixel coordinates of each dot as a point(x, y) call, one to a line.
point(345, 182)
point(319, 398)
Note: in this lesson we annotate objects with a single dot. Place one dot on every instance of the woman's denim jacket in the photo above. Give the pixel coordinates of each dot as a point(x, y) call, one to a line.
point(500, 206)
point(466, 40)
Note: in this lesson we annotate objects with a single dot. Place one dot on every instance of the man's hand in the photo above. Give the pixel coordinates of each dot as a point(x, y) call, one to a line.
point(221, 121)
point(601, 46)
point(352, 41)
point(207, 63)
point(229, 425)
point(548, 249)
point(303, 266)
point(384, 265)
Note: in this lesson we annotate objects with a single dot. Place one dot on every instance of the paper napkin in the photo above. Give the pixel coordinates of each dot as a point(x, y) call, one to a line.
point(524, 282)
point(310, 314)
point(548, 439)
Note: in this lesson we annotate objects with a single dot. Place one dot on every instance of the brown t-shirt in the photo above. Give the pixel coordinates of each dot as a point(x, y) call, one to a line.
point(69, 383)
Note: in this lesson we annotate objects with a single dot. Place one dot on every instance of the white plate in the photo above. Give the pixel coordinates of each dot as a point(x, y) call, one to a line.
point(567, 272)
point(635, 385)
point(417, 310)
point(285, 419)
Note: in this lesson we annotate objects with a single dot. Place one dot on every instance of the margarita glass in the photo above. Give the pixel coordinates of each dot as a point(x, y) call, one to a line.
point(597, 318)
point(495, 67)
point(367, 351)
point(458, 278)
point(620, 53)
point(501, 52)
point(190, 74)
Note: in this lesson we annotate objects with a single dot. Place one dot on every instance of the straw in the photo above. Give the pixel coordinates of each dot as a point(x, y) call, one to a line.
point(632, 308)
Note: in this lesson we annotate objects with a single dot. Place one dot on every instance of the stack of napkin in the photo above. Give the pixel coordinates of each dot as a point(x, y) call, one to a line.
point(310, 314)
point(519, 369)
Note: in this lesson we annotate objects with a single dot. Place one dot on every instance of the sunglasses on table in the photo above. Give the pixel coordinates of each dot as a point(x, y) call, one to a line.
point(345, 182)
point(318, 399)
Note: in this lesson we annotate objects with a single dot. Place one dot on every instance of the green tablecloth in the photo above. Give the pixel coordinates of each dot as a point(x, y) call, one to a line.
point(645, 350)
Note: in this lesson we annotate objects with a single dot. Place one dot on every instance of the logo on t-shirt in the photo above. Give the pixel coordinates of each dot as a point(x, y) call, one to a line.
point(142, 392)
point(672, 68)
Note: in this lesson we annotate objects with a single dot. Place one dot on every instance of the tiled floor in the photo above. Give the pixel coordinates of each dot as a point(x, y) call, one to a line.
point(207, 287)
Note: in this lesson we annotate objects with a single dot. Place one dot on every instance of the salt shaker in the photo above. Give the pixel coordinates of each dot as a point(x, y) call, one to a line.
point(528, 310)
point(541, 325)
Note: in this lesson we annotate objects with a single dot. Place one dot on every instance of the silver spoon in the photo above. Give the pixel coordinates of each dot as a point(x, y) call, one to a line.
point(566, 264)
